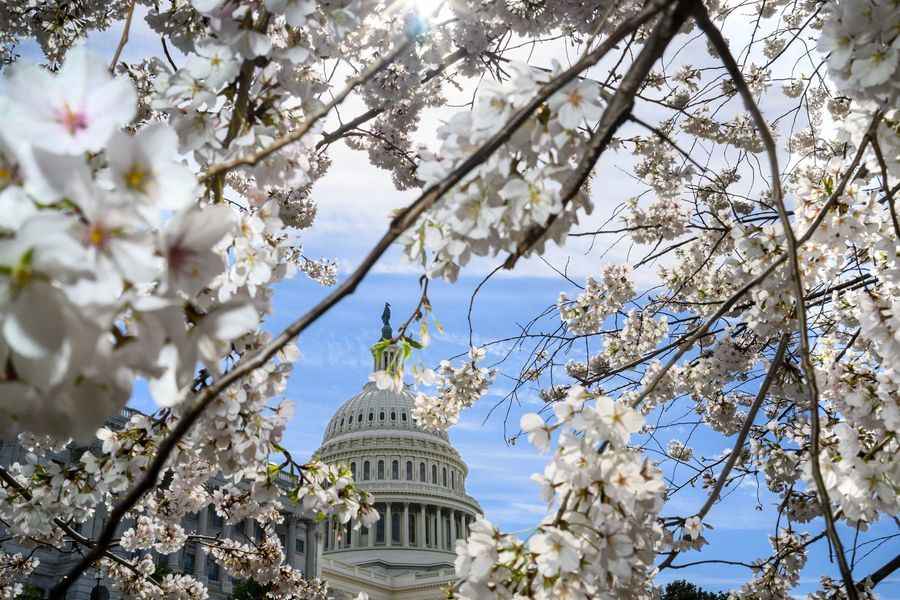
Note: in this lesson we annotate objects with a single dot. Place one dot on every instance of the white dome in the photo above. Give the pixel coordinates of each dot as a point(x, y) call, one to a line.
point(417, 477)
point(374, 409)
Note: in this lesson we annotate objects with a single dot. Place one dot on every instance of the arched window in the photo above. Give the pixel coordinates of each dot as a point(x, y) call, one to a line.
point(422, 472)
point(367, 471)
point(359, 419)
point(393, 415)
point(409, 470)
point(445, 477)
point(395, 469)
point(403, 416)
point(381, 416)
point(353, 469)
point(342, 423)
point(453, 480)
point(380, 469)
point(371, 416)
point(434, 474)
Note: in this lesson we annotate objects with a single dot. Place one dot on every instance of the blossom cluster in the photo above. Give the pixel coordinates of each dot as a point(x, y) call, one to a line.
point(602, 538)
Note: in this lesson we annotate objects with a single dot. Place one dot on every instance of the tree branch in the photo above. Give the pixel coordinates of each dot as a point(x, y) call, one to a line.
point(721, 46)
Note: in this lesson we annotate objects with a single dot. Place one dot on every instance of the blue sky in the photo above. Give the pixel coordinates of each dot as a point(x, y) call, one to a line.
point(355, 201)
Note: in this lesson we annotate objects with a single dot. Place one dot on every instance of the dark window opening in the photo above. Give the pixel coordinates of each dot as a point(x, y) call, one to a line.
point(395, 527)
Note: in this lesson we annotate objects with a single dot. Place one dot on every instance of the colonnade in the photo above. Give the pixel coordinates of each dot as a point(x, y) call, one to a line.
point(403, 525)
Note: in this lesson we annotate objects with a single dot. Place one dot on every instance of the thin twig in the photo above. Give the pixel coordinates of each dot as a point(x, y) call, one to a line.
point(124, 39)
point(316, 116)
point(739, 442)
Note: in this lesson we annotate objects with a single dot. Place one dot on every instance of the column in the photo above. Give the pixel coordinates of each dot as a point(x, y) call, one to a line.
point(291, 544)
point(311, 567)
point(404, 526)
point(354, 535)
point(452, 529)
point(421, 527)
point(440, 527)
point(388, 532)
point(200, 554)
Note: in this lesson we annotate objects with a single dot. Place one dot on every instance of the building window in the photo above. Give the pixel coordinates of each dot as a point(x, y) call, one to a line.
point(444, 480)
point(395, 527)
point(395, 470)
point(393, 415)
point(353, 469)
point(411, 527)
point(367, 471)
point(187, 562)
point(212, 570)
point(422, 472)
point(299, 546)
point(403, 416)
point(409, 470)
point(380, 470)
point(434, 474)
point(381, 416)
point(359, 419)
point(342, 423)
point(371, 417)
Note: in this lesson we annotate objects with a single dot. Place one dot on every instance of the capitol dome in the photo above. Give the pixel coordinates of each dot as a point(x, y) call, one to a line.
point(418, 480)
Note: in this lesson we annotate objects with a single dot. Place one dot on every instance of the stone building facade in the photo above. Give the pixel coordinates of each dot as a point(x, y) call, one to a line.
point(300, 537)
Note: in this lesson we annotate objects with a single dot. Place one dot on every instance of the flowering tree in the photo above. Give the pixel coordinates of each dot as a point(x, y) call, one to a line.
point(150, 207)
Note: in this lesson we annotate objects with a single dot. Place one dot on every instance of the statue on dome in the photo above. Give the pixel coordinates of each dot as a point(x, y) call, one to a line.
point(386, 331)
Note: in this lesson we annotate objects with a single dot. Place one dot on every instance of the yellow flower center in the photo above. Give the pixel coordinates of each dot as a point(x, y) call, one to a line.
point(97, 236)
point(136, 178)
